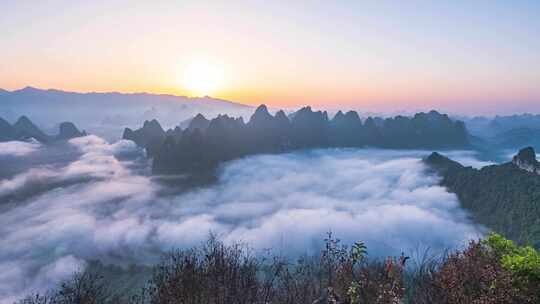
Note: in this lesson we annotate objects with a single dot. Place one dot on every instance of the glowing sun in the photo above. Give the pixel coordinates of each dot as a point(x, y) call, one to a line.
point(202, 78)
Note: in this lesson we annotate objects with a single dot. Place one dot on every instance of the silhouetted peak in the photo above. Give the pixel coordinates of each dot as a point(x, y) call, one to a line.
point(262, 109)
point(68, 130)
point(226, 119)
point(526, 154)
point(302, 112)
point(23, 120)
point(67, 125)
point(219, 119)
point(526, 160)
point(150, 136)
point(306, 109)
point(281, 116)
point(352, 115)
point(339, 115)
point(198, 122)
point(128, 134)
point(260, 115)
point(24, 123)
point(348, 120)
point(436, 157)
point(26, 129)
point(325, 115)
point(152, 124)
point(149, 129)
point(224, 122)
point(370, 122)
point(432, 116)
point(309, 114)
point(441, 162)
point(29, 89)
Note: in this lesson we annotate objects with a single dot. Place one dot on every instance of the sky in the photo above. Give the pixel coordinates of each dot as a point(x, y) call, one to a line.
point(458, 56)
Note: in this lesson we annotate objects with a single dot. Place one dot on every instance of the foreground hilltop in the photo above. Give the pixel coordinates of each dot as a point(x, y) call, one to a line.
point(24, 129)
point(505, 198)
point(204, 144)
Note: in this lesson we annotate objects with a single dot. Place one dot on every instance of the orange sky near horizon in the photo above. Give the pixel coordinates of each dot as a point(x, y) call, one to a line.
point(378, 56)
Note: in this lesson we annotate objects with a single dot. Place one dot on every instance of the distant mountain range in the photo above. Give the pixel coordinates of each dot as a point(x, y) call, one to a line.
point(506, 132)
point(106, 114)
point(515, 138)
point(480, 125)
point(505, 198)
point(204, 144)
point(24, 129)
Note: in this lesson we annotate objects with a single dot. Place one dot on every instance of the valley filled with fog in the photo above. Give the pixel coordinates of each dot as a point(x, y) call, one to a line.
point(68, 203)
point(264, 152)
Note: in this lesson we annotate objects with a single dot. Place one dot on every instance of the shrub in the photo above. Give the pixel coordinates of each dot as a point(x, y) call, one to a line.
point(214, 273)
point(489, 272)
point(522, 261)
point(82, 288)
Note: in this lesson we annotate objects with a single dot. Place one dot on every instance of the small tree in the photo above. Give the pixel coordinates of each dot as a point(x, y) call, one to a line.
point(476, 275)
point(83, 288)
point(523, 262)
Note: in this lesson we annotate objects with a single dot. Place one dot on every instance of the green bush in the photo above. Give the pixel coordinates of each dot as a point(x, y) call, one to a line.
point(522, 261)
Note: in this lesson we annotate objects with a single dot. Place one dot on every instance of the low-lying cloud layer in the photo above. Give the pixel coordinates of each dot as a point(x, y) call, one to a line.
point(101, 206)
point(18, 148)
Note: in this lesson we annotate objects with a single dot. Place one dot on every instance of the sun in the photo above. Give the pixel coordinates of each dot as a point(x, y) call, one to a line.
point(202, 79)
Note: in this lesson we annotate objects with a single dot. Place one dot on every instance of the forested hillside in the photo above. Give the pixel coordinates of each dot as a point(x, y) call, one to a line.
point(505, 198)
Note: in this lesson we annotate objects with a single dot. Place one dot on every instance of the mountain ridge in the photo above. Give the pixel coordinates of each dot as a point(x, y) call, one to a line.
point(204, 144)
point(504, 197)
point(24, 129)
point(122, 109)
point(31, 89)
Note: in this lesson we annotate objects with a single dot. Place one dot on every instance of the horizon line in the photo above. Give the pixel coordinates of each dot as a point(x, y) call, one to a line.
point(164, 94)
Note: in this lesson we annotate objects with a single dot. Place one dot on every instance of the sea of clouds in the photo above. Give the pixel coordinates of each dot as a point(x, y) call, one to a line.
point(104, 205)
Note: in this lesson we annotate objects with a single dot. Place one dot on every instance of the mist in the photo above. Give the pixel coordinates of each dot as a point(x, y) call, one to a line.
point(18, 148)
point(100, 202)
point(47, 108)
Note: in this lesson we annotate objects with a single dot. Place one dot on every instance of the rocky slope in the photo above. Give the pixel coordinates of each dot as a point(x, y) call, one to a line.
point(526, 160)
